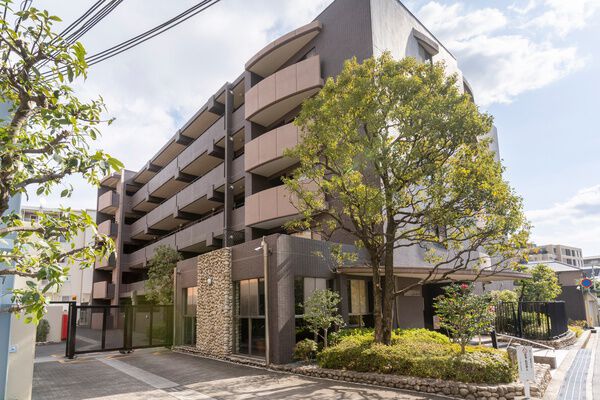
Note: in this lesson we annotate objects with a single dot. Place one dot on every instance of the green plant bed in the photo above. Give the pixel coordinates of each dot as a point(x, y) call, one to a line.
point(419, 353)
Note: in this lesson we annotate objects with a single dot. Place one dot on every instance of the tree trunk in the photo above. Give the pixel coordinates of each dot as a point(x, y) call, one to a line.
point(377, 303)
point(325, 339)
point(389, 286)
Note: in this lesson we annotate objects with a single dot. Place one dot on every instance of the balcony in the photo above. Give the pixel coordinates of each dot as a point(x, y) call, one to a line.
point(108, 202)
point(280, 93)
point(201, 197)
point(103, 290)
point(107, 263)
point(270, 58)
point(108, 228)
point(127, 289)
point(270, 208)
point(198, 159)
point(264, 155)
point(198, 237)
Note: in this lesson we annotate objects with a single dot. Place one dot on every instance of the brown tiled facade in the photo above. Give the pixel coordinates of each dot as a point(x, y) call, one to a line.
point(217, 184)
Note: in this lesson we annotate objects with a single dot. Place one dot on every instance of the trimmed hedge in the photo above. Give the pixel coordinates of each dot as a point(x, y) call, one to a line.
point(419, 353)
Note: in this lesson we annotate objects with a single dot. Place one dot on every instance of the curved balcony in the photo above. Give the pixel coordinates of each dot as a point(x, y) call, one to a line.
point(280, 93)
point(270, 208)
point(271, 57)
point(265, 154)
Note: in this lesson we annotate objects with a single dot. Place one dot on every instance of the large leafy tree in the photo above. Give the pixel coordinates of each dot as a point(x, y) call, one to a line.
point(395, 155)
point(159, 285)
point(542, 286)
point(45, 136)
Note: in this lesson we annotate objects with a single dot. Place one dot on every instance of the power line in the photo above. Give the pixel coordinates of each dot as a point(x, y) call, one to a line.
point(147, 35)
point(94, 18)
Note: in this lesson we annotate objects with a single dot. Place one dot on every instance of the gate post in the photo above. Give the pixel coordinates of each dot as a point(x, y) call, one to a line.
point(71, 331)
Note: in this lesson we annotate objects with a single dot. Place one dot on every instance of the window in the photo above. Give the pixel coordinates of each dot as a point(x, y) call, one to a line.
point(424, 55)
point(303, 288)
point(359, 308)
point(249, 315)
point(190, 300)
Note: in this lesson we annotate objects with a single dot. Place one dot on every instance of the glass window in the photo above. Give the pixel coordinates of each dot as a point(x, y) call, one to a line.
point(249, 335)
point(360, 309)
point(190, 300)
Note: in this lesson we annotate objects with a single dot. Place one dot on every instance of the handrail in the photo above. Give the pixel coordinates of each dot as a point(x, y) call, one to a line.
point(525, 340)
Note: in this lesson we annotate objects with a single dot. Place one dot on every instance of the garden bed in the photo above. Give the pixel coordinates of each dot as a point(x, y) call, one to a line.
point(419, 353)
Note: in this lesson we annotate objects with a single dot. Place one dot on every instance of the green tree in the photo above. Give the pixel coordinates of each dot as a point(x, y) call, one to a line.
point(321, 312)
point(463, 313)
point(542, 286)
point(505, 296)
point(394, 155)
point(159, 286)
point(44, 138)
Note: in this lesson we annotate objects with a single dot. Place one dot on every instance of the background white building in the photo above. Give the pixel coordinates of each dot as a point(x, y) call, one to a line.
point(78, 285)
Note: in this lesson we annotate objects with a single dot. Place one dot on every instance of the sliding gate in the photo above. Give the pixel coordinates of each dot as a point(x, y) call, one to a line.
point(107, 328)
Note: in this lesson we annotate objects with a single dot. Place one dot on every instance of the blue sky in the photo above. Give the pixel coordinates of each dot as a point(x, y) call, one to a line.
point(534, 65)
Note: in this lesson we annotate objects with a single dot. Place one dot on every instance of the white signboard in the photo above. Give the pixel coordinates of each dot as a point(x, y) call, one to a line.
point(526, 364)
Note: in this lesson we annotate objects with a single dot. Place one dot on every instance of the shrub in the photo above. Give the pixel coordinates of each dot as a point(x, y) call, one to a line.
point(42, 331)
point(577, 330)
point(463, 313)
point(398, 335)
point(504, 296)
point(580, 323)
point(305, 350)
point(408, 355)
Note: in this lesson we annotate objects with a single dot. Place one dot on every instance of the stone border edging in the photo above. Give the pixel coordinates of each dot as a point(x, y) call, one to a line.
point(469, 391)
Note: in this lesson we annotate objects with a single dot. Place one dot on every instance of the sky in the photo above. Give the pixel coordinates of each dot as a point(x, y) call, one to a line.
point(534, 65)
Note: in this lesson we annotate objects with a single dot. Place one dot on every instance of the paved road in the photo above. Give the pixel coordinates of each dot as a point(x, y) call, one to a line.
point(164, 375)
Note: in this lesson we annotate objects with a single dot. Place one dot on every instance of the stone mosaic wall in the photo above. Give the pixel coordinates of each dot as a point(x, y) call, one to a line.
point(215, 304)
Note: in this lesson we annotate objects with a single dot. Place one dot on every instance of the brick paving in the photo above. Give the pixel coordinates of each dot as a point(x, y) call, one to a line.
point(164, 375)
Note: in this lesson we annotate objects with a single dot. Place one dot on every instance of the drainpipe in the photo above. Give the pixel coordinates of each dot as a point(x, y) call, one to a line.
point(265, 250)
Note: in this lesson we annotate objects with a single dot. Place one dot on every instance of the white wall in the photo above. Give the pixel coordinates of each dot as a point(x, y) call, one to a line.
point(54, 318)
point(20, 356)
point(392, 26)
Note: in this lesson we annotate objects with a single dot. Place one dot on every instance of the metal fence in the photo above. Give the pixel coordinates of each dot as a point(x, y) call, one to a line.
point(106, 328)
point(532, 320)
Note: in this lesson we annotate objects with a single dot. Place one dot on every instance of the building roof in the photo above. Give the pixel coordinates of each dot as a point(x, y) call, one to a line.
point(556, 266)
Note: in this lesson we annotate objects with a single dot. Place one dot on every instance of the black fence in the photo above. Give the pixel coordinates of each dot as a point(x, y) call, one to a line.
point(532, 320)
point(107, 328)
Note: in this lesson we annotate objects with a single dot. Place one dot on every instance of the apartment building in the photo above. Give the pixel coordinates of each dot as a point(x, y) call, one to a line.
point(592, 261)
point(214, 191)
point(78, 284)
point(557, 252)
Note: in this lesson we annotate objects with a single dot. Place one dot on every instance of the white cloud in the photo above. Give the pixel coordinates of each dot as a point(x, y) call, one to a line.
point(565, 16)
point(575, 222)
point(499, 64)
point(502, 67)
point(452, 22)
